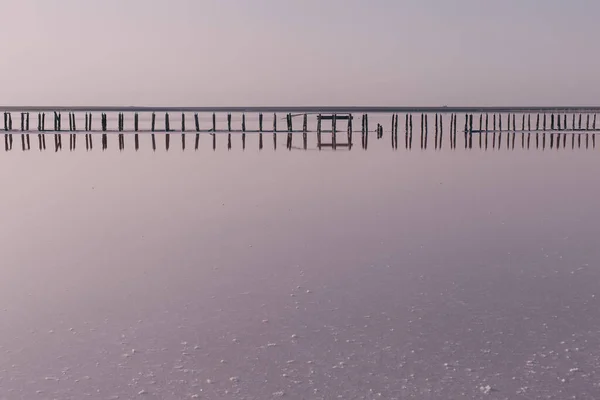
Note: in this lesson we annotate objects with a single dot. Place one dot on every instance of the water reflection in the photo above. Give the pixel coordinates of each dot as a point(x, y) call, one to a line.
point(248, 274)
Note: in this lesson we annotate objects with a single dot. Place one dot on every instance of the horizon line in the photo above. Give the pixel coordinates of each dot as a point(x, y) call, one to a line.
point(306, 109)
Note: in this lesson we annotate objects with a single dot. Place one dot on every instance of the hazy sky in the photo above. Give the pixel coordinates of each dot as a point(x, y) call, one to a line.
point(293, 52)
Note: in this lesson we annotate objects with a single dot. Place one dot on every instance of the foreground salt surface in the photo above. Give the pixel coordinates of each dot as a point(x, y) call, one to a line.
point(425, 291)
point(520, 334)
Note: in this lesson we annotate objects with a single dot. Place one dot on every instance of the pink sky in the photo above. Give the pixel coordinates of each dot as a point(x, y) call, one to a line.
point(267, 52)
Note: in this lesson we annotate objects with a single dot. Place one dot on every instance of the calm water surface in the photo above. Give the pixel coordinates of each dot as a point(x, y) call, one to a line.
point(302, 275)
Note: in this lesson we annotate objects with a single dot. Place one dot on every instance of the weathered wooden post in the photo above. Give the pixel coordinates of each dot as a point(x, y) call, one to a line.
point(305, 132)
point(229, 131)
point(350, 117)
point(594, 123)
point(243, 131)
point(288, 119)
point(394, 130)
point(470, 131)
point(406, 131)
point(410, 133)
point(422, 129)
point(274, 131)
point(197, 122)
point(366, 131)
point(319, 131)
point(334, 132)
point(153, 122)
point(135, 128)
point(104, 138)
point(480, 129)
point(587, 122)
point(167, 138)
point(167, 123)
point(183, 131)
point(260, 131)
point(441, 130)
point(579, 127)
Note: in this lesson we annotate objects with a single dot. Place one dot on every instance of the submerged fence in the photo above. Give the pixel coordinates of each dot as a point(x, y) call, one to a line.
point(304, 127)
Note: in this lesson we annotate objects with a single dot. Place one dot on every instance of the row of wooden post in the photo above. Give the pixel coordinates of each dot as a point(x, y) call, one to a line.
point(556, 122)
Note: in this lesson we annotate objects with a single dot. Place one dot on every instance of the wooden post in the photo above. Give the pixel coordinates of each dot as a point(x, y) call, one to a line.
point(577, 128)
point(288, 119)
point(334, 132)
point(552, 121)
point(136, 118)
point(466, 130)
point(441, 130)
point(537, 122)
point(480, 128)
point(182, 122)
point(425, 143)
point(260, 131)
point(274, 131)
point(214, 130)
point(422, 129)
point(167, 138)
point(136, 141)
point(452, 138)
point(594, 123)
point(366, 131)
point(573, 123)
point(470, 131)
point(319, 130)
point(197, 122)
point(153, 122)
point(229, 131)
point(394, 129)
point(305, 132)
point(587, 122)
point(350, 130)
point(243, 131)
point(167, 123)
point(406, 131)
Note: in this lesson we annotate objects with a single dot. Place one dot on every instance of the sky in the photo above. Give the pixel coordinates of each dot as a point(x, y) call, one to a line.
point(299, 52)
